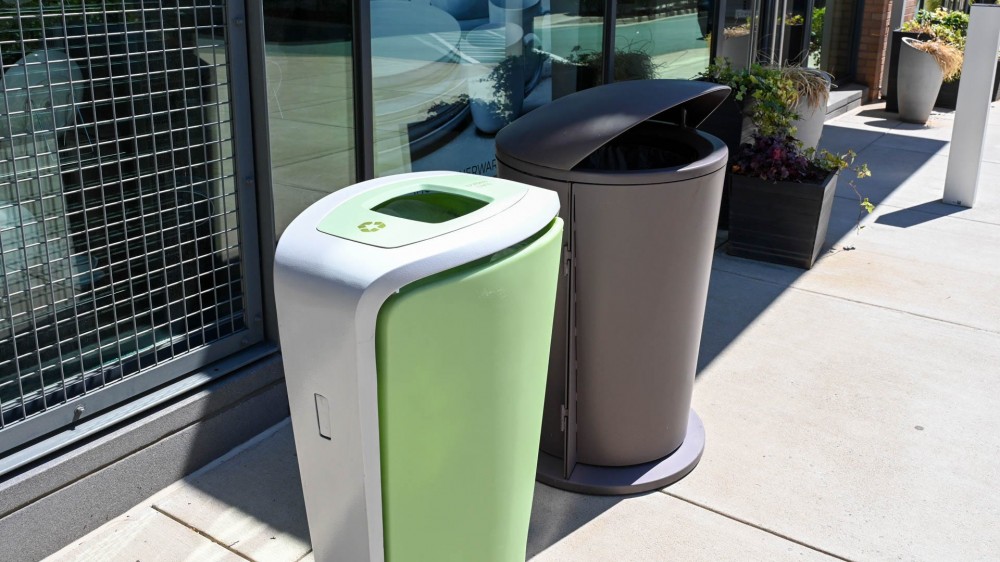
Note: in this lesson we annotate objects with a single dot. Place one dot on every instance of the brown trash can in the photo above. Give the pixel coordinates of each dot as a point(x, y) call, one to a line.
point(640, 190)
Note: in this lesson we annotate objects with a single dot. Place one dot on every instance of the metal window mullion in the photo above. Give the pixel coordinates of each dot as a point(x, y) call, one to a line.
point(246, 184)
point(718, 34)
point(364, 107)
point(608, 40)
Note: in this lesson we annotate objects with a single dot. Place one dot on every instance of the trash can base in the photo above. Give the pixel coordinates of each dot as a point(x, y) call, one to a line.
point(634, 479)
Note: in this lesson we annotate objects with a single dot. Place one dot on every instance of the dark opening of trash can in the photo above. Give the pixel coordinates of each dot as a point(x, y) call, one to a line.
point(651, 145)
point(430, 206)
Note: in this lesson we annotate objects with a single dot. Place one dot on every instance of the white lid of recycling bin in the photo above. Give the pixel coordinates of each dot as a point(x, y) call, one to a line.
point(416, 209)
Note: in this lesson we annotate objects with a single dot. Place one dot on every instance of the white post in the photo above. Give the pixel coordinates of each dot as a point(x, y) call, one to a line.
point(975, 93)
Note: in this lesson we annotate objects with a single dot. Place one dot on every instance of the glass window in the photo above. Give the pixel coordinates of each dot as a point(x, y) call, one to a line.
point(662, 39)
point(448, 74)
point(736, 42)
point(835, 39)
point(310, 101)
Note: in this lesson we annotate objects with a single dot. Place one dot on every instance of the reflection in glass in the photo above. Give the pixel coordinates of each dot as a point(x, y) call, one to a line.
point(310, 102)
point(816, 27)
point(837, 38)
point(449, 74)
point(791, 47)
point(661, 39)
point(736, 40)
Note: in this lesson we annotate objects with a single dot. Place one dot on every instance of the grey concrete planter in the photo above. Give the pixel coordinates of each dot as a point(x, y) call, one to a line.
point(809, 125)
point(918, 82)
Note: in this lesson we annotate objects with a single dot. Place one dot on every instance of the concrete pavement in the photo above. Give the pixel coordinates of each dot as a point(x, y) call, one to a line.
point(850, 410)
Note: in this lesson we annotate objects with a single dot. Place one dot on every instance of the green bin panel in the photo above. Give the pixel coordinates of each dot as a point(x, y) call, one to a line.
point(462, 359)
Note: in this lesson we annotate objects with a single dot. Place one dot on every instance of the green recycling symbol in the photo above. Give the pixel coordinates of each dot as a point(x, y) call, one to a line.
point(371, 226)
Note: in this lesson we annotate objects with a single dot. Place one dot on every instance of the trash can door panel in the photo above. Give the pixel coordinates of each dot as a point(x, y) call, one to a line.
point(461, 361)
point(556, 397)
point(639, 314)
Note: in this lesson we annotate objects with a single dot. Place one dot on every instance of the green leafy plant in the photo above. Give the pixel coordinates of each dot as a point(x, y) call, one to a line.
point(837, 162)
point(816, 30)
point(955, 20)
point(503, 77)
point(769, 93)
point(795, 19)
point(947, 26)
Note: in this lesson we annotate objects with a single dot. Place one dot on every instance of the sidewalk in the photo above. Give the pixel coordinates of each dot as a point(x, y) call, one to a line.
point(850, 410)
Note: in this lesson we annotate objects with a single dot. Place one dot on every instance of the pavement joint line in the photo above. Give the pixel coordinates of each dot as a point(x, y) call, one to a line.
point(228, 547)
point(758, 527)
point(863, 303)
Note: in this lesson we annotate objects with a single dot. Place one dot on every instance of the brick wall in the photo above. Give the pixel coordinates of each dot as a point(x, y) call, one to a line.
point(872, 45)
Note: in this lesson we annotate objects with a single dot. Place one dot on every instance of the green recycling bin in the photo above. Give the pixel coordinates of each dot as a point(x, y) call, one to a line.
point(415, 315)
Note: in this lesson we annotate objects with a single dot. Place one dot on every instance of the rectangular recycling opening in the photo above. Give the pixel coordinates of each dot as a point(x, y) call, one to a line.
point(430, 206)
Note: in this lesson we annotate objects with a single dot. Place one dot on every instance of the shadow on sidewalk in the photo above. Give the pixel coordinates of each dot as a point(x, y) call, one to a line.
point(741, 290)
point(918, 214)
point(555, 514)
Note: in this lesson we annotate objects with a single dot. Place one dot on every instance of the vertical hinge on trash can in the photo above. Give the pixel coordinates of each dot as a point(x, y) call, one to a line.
point(569, 401)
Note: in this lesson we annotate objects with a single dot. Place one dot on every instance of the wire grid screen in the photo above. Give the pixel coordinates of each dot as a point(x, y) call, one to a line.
point(119, 239)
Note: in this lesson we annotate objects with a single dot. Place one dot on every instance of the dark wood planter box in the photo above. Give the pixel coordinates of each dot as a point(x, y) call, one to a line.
point(947, 96)
point(779, 222)
point(732, 126)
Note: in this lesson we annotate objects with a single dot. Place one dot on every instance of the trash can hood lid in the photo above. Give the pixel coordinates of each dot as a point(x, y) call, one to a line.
point(563, 133)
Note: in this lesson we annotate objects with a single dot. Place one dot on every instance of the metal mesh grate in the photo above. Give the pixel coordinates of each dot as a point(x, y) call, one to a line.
point(119, 238)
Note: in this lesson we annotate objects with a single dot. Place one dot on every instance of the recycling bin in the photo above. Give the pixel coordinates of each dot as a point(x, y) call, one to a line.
point(640, 190)
point(415, 314)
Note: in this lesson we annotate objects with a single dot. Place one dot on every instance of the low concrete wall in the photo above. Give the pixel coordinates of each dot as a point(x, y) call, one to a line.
point(47, 506)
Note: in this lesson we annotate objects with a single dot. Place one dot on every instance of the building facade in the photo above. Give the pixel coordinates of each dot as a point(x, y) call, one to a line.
point(152, 153)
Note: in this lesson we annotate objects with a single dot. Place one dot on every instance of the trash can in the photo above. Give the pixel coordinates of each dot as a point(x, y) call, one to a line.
point(639, 189)
point(415, 314)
